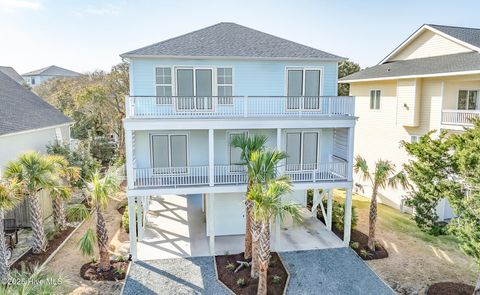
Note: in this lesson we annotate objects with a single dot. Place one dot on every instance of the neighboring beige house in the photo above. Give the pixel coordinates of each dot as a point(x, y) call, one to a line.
point(429, 82)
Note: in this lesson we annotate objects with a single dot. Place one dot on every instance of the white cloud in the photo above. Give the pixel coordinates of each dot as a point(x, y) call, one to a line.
point(12, 5)
point(107, 10)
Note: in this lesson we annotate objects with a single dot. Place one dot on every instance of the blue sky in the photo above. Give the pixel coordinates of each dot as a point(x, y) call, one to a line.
point(88, 35)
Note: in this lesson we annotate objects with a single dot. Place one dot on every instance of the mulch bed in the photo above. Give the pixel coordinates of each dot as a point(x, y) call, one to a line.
point(357, 236)
point(450, 288)
point(30, 259)
point(229, 277)
point(118, 270)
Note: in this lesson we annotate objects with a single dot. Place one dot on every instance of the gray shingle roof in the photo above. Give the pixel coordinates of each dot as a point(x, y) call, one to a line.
point(22, 110)
point(468, 35)
point(9, 71)
point(421, 66)
point(52, 71)
point(231, 40)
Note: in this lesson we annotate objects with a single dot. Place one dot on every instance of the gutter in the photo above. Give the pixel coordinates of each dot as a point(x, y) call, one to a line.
point(38, 129)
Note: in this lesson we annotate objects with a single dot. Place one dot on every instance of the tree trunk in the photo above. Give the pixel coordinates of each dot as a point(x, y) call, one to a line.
point(248, 234)
point(59, 219)
point(39, 241)
point(372, 220)
point(3, 252)
point(477, 288)
point(263, 258)
point(256, 232)
point(102, 239)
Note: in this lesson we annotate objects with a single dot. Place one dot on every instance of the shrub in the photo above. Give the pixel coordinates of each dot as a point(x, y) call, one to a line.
point(272, 262)
point(125, 224)
point(277, 279)
point(365, 254)
point(119, 271)
point(337, 214)
point(241, 282)
point(230, 266)
point(103, 150)
point(120, 258)
point(354, 245)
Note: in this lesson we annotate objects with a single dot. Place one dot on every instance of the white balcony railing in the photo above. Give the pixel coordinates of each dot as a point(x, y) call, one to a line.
point(233, 174)
point(459, 117)
point(238, 106)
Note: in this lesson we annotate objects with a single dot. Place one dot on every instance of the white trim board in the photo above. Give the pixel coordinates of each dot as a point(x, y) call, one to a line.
point(446, 74)
point(38, 129)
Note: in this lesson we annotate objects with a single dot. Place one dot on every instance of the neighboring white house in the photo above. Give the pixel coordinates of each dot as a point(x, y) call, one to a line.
point(190, 95)
point(429, 82)
point(27, 123)
point(37, 77)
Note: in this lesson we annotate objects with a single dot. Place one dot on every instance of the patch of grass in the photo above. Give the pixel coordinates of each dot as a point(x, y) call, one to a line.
point(401, 223)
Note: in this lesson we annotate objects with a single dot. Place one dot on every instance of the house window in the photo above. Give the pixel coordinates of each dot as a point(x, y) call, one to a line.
point(305, 83)
point(415, 138)
point(302, 150)
point(468, 100)
point(32, 80)
point(194, 89)
point(169, 153)
point(224, 85)
point(375, 99)
point(163, 85)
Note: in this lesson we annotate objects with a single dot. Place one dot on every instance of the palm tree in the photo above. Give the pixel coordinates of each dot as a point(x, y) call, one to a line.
point(101, 187)
point(248, 144)
point(66, 176)
point(384, 176)
point(267, 206)
point(262, 167)
point(35, 173)
point(9, 197)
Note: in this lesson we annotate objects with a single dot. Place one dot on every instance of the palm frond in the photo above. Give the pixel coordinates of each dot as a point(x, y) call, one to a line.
point(87, 242)
point(399, 179)
point(77, 212)
point(10, 194)
point(248, 144)
point(361, 167)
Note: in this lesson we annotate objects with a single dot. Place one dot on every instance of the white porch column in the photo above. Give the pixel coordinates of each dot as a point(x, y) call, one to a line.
point(132, 227)
point(351, 140)
point(211, 162)
point(348, 218)
point(280, 170)
point(279, 147)
point(211, 222)
point(139, 218)
point(146, 202)
point(129, 156)
point(329, 209)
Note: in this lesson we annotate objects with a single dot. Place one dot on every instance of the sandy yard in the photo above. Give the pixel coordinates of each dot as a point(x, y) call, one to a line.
point(416, 259)
point(69, 259)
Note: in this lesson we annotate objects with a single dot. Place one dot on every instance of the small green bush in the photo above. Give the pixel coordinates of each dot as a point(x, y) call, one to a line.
point(354, 245)
point(230, 266)
point(337, 214)
point(241, 282)
point(272, 262)
point(125, 224)
point(277, 279)
point(120, 258)
point(119, 271)
point(365, 254)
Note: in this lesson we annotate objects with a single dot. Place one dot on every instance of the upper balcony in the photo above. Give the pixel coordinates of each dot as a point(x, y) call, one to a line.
point(176, 107)
point(461, 118)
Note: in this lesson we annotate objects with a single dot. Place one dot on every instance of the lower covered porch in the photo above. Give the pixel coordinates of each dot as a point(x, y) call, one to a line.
point(171, 226)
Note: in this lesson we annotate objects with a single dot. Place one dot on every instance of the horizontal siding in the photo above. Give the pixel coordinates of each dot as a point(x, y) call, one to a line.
point(429, 44)
point(407, 112)
point(254, 78)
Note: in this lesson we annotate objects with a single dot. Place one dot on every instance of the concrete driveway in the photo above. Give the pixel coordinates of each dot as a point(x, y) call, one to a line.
point(327, 271)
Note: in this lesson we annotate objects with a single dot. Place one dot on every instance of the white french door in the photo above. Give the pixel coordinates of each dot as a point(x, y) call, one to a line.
point(194, 89)
point(169, 153)
point(304, 88)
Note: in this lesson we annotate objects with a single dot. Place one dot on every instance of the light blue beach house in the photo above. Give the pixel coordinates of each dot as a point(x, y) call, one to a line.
point(191, 94)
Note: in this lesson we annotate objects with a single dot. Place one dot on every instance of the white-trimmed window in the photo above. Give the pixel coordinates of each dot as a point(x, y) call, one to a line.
point(415, 138)
point(169, 152)
point(375, 99)
point(468, 100)
point(302, 150)
point(305, 82)
point(163, 85)
point(225, 85)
